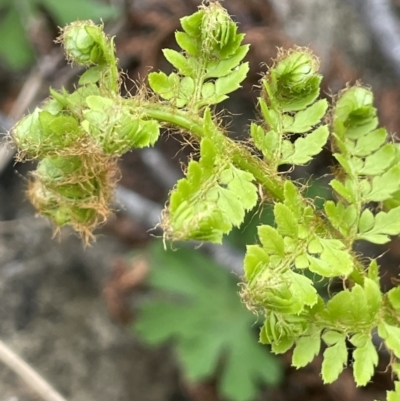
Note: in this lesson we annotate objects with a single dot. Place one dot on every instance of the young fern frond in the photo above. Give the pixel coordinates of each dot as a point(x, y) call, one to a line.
point(213, 197)
point(372, 168)
point(209, 66)
point(78, 136)
point(289, 106)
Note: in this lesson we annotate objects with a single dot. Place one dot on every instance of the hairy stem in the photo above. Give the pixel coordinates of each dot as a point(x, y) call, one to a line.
point(271, 183)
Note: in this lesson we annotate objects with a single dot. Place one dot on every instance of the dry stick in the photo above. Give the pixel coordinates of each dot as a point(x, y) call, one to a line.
point(160, 168)
point(26, 97)
point(28, 375)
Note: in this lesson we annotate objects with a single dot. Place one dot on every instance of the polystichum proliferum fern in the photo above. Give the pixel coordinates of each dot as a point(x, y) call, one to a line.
point(77, 137)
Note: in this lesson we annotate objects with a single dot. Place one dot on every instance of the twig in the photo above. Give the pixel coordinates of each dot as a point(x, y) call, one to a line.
point(160, 168)
point(141, 209)
point(380, 18)
point(26, 97)
point(28, 375)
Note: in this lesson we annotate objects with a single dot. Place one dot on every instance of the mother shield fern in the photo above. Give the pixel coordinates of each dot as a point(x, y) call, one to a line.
point(77, 137)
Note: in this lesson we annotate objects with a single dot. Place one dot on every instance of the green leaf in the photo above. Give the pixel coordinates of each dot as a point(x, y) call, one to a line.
point(293, 82)
point(344, 190)
point(92, 75)
point(148, 133)
point(385, 224)
point(166, 86)
point(379, 161)
point(306, 349)
point(221, 68)
point(333, 260)
point(179, 61)
point(285, 220)
point(191, 24)
point(394, 395)
point(341, 217)
point(208, 90)
point(267, 142)
point(99, 103)
point(196, 307)
point(301, 262)
point(232, 81)
point(240, 182)
point(210, 200)
point(282, 346)
point(188, 43)
point(369, 143)
point(335, 359)
point(391, 335)
point(255, 261)
point(271, 240)
point(331, 337)
point(293, 199)
point(309, 146)
point(304, 120)
point(354, 114)
point(366, 222)
point(373, 271)
point(302, 289)
point(350, 166)
point(271, 116)
point(385, 185)
point(245, 368)
point(186, 89)
point(365, 359)
point(373, 296)
point(394, 298)
point(356, 308)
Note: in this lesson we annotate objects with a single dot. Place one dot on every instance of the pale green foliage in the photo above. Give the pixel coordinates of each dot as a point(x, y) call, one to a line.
point(302, 247)
point(93, 124)
point(372, 170)
point(289, 106)
point(197, 308)
point(209, 66)
point(335, 356)
point(212, 198)
point(395, 395)
point(365, 358)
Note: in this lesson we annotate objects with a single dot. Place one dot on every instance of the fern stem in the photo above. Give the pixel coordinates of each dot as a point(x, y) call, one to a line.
point(271, 183)
point(241, 157)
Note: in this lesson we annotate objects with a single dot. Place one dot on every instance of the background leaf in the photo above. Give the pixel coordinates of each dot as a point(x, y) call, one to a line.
point(14, 46)
point(71, 10)
point(197, 307)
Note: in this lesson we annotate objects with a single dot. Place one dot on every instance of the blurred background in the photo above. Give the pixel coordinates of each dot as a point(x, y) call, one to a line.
point(123, 319)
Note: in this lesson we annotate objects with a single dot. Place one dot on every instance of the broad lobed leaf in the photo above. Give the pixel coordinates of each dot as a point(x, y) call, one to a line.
point(194, 299)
